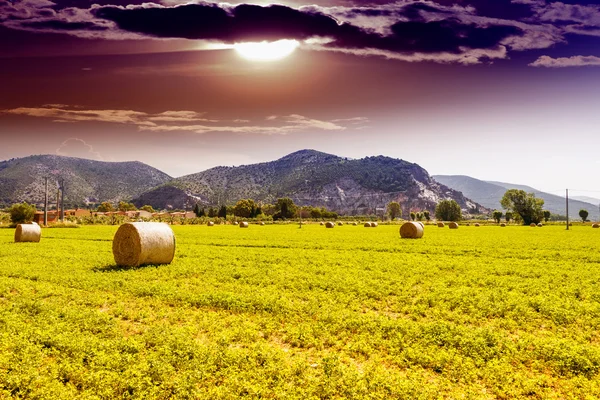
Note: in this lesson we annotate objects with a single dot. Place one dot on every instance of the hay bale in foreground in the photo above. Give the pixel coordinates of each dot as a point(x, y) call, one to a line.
point(329, 225)
point(140, 243)
point(453, 225)
point(243, 224)
point(28, 233)
point(420, 223)
point(412, 230)
point(374, 224)
point(440, 225)
point(210, 223)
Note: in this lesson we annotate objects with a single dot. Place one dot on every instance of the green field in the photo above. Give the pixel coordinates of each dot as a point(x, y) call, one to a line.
point(289, 313)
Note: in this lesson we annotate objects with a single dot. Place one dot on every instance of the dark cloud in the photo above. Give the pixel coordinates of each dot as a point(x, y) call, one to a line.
point(64, 25)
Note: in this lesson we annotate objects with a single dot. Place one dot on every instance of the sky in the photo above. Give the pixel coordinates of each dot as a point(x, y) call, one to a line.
point(494, 89)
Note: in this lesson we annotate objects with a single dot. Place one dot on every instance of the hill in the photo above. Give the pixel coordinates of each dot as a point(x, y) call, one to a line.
point(86, 181)
point(310, 177)
point(489, 193)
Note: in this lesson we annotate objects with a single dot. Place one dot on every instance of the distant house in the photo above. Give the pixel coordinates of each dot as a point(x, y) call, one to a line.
point(54, 216)
point(143, 214)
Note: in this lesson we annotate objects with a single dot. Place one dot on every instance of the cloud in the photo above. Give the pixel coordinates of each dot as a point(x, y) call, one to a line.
point(564, 62)
point(185, 121)
point(75, 147)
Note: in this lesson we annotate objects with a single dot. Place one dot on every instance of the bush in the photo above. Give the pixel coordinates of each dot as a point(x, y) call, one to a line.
point(22, 213)
point(448, 210)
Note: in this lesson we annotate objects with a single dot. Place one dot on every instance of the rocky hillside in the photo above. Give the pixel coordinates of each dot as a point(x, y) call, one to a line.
point(86, 181)
point(312, 178)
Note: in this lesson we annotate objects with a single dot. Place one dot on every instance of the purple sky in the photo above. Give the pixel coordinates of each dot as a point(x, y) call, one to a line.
point(499, 90)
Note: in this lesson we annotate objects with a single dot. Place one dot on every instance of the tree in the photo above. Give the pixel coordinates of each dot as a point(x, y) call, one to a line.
point(583, 214)
point(212, 212)
point(244, 208)
point(105, 207)
point(426, 215)
point(547, 215)
point(21, 213)
point(497, 215)
point(448, 210)
point(419, 216)
point(286, 208)
point(394, 210)
point(124, 206)
point(413, 216)
point(508, 216)
point(525, 204)
point(222, 212)
point(148, 208)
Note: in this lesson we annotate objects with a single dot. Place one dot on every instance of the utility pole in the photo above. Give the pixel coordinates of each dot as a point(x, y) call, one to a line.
point(57, 202)
point(62, 208)
point(46, 202)
point(567, 209)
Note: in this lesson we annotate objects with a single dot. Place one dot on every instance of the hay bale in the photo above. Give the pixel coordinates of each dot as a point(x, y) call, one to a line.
point(243, 224)
point(502, 225)
point(210, 223)
point(235, 223)
point(440, 225)
point(140, 243)
point(540, 225)
point(374, 224)
point(420, 223)
point(329, 225)
point(533, 225)
point(412, 230)
point(595, 226)
point(28, 233)
point(340, 224)
point(354, 223)
point(453, 225)
point(467, 224)
point(321, 223)
point(367, 225)
point(476, 224)
point(262, 223)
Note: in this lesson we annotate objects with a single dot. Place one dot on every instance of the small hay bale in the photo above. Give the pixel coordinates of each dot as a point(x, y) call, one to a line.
point(235, 223)
point(354, 224)
point(595, 226)
point(533, 225)
point(28, 233)
point(453, 225)
point(340, 224)
point(412, 230)
point(243, 224)
point(467, 224)
point(321, 223)
point(476, 224)
point(374, 224)
point(540, 225)
point(440, 225)
point(262, 223)
point(210, 223)
point(502, 225)
point(367, 225)
point(329, 225)
point(140, 243)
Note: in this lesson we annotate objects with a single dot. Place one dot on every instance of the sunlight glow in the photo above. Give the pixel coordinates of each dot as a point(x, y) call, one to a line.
point(266, 51)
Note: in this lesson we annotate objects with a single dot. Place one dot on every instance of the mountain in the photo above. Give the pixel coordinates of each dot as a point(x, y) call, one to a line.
point(586, 199)
point(489, 193)
point(313, 178)
point(86, 181)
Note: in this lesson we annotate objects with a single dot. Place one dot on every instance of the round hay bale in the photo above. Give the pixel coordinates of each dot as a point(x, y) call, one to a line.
point(453, 225)
point(28, 233)
point(321, 223)
point(502, 225)
point(374, 224)
point(440, 225)
point(235, 223)
point(243, 224)
point(262, 223)
point(420, 223)
point(210, 223)
point(412, 230)
point(476, 224)
point(140, 243)
point(533, 225)
point(595, 226)
point(467, 224)
point(340, 224)
point(367, 225)
point(354, 223)
point(329, 225)
point(540, 225)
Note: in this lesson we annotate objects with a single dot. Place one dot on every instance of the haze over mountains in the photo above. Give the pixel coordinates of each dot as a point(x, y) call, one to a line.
point(489, 193)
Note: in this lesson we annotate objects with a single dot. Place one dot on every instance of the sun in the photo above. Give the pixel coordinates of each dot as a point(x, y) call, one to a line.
point(266, 51)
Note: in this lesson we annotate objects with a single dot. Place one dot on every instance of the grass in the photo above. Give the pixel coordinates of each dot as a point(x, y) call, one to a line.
point(311, 313)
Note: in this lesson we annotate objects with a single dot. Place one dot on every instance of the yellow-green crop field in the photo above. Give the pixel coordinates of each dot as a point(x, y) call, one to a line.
point(311, 313)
